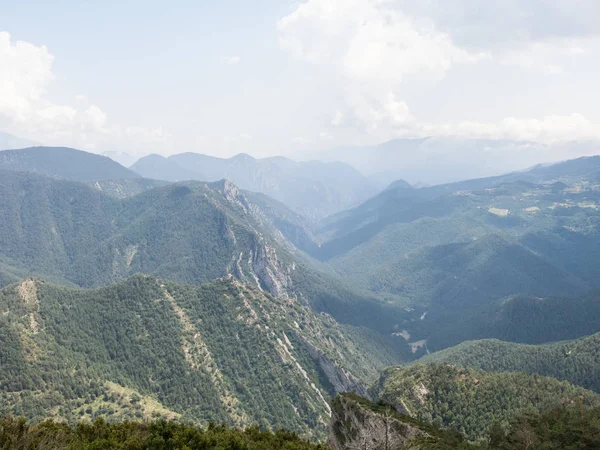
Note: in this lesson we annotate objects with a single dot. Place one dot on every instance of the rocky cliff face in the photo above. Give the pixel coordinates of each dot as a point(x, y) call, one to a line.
point(269, 272)
point(357, 423)
point(341, 380)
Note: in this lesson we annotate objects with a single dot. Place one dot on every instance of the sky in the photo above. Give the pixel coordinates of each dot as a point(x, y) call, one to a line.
point(282, 77)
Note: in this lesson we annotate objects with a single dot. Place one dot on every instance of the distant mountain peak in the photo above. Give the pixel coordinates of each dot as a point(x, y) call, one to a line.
point(159, 167)
point(400, 184)
point(64, 162)
point(243, 157)
point(314, 189)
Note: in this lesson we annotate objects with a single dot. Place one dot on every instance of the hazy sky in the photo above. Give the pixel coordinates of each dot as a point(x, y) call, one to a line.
point(276, 77)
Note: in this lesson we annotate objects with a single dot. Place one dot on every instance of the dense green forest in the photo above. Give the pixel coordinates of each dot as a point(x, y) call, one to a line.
point(563, 428)
point(156, 435)
point(145, 348)
point(530, 320)
point(575, 361)
point(124, 188)
point(469, 400)
point(571, 428)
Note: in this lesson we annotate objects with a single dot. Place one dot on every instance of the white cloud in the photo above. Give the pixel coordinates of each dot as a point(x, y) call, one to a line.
point(337, 119)
point(57, 113)
point(378, 51)
point(546, 56)
point(374, 110)
point(508, 23)
point(396, 111)
point(232, 60)
point(372, 48)
point(26, 77)
point(368, 40)
point(550, 129)
point(95, 117)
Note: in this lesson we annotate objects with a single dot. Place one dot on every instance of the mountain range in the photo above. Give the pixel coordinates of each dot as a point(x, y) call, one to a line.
point(72, 233)
point(312, 188)
point(75, 234)
point(167, 291)
point(454, 253)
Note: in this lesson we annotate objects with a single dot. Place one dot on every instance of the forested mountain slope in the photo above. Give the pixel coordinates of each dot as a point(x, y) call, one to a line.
point(469, 400)
point(128, 187)
point(190, 233)
point(146, 348)
point(534, 215)
point(543, 189)
point(294, 227)
point(530, 320)
point(453, 254)
point(276, 333)
point(463, 275)
point(576, 361)
point(65, 163)
point(359, 423)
